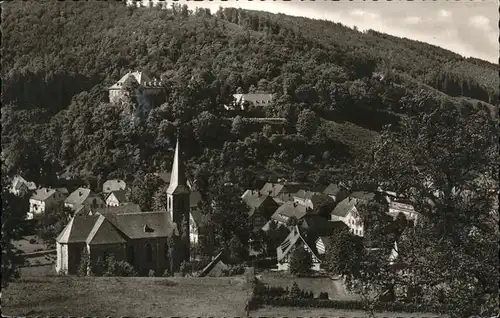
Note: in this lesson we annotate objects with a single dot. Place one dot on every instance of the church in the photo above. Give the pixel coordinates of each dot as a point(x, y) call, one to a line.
point(141, 238)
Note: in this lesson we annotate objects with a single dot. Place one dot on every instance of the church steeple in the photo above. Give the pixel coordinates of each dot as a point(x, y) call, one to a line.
point(178, 181)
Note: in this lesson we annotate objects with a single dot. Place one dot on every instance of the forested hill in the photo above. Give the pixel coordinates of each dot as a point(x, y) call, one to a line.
point(336, 86)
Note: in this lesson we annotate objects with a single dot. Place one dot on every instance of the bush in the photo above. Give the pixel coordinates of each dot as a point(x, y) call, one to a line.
point(185, 268)
point(323, 295)
point(300, 261)
point(234, 270)
point(295, 292)
point(167, 273)
point(151, 273)
point(109, 266)
point(33, 241)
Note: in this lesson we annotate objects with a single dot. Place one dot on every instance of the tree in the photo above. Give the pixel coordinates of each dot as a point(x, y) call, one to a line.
point(143, 190)
point(307, 123)
point(12, 216)
point(345, 255)
point(300, 260)
point(52, 223)
point(453, 184)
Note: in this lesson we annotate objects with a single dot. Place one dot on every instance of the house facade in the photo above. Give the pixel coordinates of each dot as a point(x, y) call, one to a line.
point(285, 250)
point(43, 199)
point(261, 207)
point(116, 198)
point(347, 212)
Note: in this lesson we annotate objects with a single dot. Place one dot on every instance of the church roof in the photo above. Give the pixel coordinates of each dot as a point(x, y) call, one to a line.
point(104, 232)
point(132, 224)
point(77, 229)
point(178, 181)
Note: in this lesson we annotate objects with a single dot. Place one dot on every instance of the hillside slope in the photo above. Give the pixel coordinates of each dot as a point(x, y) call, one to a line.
point(58, 59)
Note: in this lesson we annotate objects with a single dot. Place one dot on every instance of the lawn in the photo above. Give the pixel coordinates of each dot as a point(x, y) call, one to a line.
point(121, 296)
point(324, 312)
point(26, 247)
point(334, 288)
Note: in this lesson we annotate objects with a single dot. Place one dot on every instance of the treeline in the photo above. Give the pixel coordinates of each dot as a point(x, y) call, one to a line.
point(333, 87)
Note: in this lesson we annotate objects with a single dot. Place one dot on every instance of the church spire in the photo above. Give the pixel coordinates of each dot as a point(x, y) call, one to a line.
point(178, 181)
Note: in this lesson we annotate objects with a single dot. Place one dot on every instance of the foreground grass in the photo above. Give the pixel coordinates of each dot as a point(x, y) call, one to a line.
point(121, 296)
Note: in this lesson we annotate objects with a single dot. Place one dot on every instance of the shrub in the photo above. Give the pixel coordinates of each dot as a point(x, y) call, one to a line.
point(83, 268)
point(234, 270)
point(109, 266)
point(167, 273)
point(151, 273)
point(323, 295)
point(295, 292)
point(185, 268)
point(32, 241)
point(300, 261)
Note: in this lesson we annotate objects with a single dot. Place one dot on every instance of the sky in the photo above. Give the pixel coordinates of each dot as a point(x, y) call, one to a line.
point(469, 28)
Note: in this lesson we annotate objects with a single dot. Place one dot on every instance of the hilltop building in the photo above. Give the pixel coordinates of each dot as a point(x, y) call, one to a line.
point(149, 92)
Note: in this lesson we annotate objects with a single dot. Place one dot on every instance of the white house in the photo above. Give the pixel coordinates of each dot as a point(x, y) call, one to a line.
point(83, 197)
point(150, 87)
point(113, 185)
point(20, 186)
point(284, 251)
point(44, 199)
point(347, 212)
point(256, 99)
point(116, 198)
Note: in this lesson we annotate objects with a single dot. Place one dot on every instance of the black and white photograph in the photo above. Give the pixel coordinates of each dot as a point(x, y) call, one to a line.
point(250, 158)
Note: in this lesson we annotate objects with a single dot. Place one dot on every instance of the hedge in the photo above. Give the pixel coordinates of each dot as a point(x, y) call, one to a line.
point(337, 304)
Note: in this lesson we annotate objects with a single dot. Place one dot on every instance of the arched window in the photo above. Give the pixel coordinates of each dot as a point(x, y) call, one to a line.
point(130, 255)
point(149, 253)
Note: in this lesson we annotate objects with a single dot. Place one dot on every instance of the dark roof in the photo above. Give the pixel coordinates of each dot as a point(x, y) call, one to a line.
point(332, 189)
point(194, 199)
point(319, 226)
point(290, 241)
point(132, 224)
point(255, 200)
point(77, 229)
point(164, 176)
point(121, 195)
point(104, 232)
point(288, 210)
point(121, 209)
point(211, 265)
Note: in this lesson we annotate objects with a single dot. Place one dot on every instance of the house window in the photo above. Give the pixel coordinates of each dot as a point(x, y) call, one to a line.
point(149, 253)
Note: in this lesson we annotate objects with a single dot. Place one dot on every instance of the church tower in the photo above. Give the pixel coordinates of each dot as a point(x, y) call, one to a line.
point(178, 196)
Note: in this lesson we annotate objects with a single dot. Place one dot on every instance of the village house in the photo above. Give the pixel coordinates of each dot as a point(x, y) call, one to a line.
point(255, 99)
point(289, 210)
point(138, 238)
point(44, 199)
point(285, 250)
point(116, 198)
point(337, 192)
point(150, 90)
point(83, 197)
point(261, 207)
point(347, 212)
point(283, 191)
point(21, 187)
point(113, 185)
point(312, 200)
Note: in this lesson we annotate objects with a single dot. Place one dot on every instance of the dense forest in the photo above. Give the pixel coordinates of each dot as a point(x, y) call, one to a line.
point(336, 87)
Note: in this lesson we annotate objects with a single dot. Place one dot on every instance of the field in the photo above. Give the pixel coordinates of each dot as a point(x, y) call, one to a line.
point(334, 288)
point(319, 312)
point(135, 296)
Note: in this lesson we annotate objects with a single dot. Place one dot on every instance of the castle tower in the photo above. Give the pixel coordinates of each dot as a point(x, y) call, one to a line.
point(178, 195)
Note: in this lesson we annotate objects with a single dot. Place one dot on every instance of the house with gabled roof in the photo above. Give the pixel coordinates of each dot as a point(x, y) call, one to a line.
point(312, 200)
point(116, 198)
point(83, 197)
point(285, 250)
point(260, 207)
point(337, 192)
point(289, 210)
point(113, 185)
point(255, 99)
point(283, 191)
point(43, 199)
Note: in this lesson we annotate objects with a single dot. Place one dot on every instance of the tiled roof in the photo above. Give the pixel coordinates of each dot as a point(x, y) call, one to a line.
point(113, 185)
point(289, 209)
point(120, 195)
point(132, 224)
point(77, 229)
point(104, 232)
point(78, 196)
point(289, 242)
point(254, 200)
point(344, 207)
point(43, 194)
point(141, 78)
point(332, 189)
point(121, 209)
point(319, 226)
